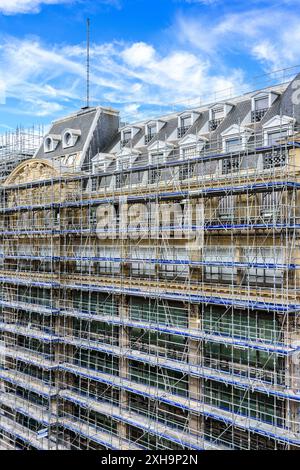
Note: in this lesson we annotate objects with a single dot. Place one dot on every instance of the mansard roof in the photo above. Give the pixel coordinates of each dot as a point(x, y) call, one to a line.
point(82, 121)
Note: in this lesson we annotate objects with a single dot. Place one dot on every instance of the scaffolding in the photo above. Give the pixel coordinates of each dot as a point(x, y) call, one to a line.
point(16, 146)
point(154, 303)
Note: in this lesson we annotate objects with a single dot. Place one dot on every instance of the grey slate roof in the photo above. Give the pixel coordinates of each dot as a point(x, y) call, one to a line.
point(82, 121)
point(100, 131)
point(290, 103)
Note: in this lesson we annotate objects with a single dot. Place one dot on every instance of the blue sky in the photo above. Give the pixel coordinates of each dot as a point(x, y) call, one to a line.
point(148, 56)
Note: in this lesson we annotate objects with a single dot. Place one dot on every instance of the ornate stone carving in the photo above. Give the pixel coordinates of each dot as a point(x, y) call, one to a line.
point(31, 170)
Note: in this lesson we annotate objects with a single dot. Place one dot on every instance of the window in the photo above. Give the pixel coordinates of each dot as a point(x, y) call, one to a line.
point(230, 165)
point(139, 265)
point(259, 271)
point(260, 107)
point(226, 207)
point(215, 269)
point(218, 113)
point(124, 163)
point(151, 133)
point(48, 144)
point(152, 129)
point(270, 206)
point(261, 103)
point(69, 160)
point(275, 136)
point(94, 184)
point(121, 180)
point(217, 116)
point(185, 124)
point(107, 263)
point(157, 158)
point(70, 137)
point(186, 121)
point(155, 176)
point(233, 144)
point(126, 137)
point(274, 160)
point(186, 171)
point(93, 217)
point(189, 152)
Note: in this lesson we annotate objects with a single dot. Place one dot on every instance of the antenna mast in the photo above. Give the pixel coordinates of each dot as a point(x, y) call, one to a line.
point(88, 30)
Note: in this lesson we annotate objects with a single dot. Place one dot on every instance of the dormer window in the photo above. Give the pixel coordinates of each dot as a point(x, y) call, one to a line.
point(126, 158)
point(124, 163)
point(48, 145)
point(275, 136)
point(157, 158)
point(233, 145)
point(51, 142)
point(67, 139)
point(126, 137)
point(185, 124)
point(260, 107)
point(191, 146)
point(70, 137)
point(189, 151)
point(158, 152)
point(217, 116)
point(235, 138)
point(217, 113)
point(128, 133)
point(261, 102)
point(185, 121)
point(151, 132)
point(277, 129)
point(102, 161)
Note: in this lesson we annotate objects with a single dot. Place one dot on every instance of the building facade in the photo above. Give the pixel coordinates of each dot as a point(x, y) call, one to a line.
point(150, 281)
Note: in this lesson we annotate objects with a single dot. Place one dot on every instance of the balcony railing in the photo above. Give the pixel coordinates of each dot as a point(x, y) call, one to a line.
point(149, 137)
point(125, 142)
point(258, 114)
point(275, 159)
point(214, 123)
point(181, 131)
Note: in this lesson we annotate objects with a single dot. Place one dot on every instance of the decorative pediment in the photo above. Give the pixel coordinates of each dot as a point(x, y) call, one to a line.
point(192, 139)
point(31, 170)
point(235, 130)
point(279, 121)
point(160, 145)
point(125, 152)
point(127, 157)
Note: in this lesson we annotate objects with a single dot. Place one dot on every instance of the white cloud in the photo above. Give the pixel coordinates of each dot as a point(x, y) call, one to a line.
point(269, 34)
point(139, 54)
point(11, 7)
point(138, 78)
point(135, 77)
